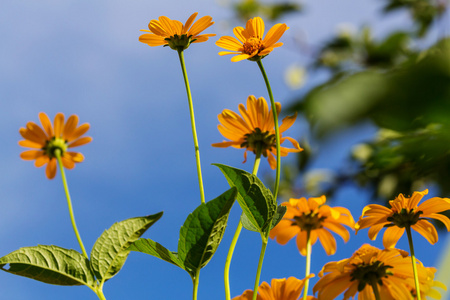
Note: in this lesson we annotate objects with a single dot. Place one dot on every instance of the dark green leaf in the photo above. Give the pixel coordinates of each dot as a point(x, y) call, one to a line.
point(255, 199)
point(281, 210)
point(110, 251)
point(49, 264)
point(203, 230)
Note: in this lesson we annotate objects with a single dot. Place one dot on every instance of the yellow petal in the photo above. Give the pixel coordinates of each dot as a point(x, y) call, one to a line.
point(59, 125)
point(46, 124)
point(391, 236)
point(80, 142)
point(50, 171)
point(426, 229)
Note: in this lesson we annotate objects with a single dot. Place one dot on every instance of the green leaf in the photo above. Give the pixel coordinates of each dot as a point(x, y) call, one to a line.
point(110, 251)
point(203, 230)
point(49, 264)
point(281, 210)
point(155, 249)
point(255, 199)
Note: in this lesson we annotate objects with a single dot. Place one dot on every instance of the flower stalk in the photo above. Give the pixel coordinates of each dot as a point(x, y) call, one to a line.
point(277, 129)
point(69, 202)
point(194, 131)
point(308, 264)
point(413, 261)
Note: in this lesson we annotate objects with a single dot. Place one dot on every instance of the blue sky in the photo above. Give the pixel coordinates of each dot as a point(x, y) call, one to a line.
point(84, 58)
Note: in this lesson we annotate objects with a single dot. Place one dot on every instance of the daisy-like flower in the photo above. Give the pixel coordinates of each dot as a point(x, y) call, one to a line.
point(279, 289)
point(167, 32)
point(250, 43)
point(47, 140)
point(388, 270)
point(255, 130)
point(313, 216)
point(404, 212)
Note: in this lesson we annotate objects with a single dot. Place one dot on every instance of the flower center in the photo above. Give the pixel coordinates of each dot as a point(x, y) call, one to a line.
point(404, 218)
point(259, 140)
point(309, 222)
point(370, 273)
point(253, 45)
point(55, 144)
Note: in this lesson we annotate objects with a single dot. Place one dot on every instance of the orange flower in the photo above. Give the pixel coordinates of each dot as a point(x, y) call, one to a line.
point(404, 212)
point(48, 140)
point(280, 289)
point(167, 32)
point(389, 270)
point(251, 44)
point(313, 215)
point(255, 129)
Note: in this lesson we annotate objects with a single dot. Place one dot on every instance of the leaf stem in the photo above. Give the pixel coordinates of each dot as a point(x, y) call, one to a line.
point(100, 295)
point(69, 202)
point(195, 282)
point(226, 273)
point(277, 129)
point(308, 264)
point(194, 131)
point(413, 261)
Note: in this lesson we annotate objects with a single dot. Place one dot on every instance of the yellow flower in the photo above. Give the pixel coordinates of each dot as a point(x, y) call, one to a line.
point(404, 212)
point(430, 284)
point(313, 215)
point(46, 140)
point(390, 270)
point(280, 289)
point(167, 32)
point(255, 129)
point(251, 44)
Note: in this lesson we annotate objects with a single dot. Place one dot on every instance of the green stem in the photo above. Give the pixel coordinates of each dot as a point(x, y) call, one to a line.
point(194, 131)
point(258, 271)
point(100, 294)
point(69, 202)
point(195, 282)
point(413, 260)
point(376, 292)
point(308, 264)
point(226, 273)
point(277, 129)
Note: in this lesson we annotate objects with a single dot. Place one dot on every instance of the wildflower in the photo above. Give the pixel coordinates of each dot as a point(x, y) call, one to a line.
point(255, 130)
point(172, 33)
point(280, 289)
point(46, 141)
point(404, 212)
point(250, 44)
point(389, 271)
point(312, 215)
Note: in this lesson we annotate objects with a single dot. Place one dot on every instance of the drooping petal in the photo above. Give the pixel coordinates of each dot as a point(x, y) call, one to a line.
point(391, 236)
point(427, 230)
point(50, 170)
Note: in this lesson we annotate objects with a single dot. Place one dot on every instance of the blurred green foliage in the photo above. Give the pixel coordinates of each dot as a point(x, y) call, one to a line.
point(403, 90)
point(248, 9)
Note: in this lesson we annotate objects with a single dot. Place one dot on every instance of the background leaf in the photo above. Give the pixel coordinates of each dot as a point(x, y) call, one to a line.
point(49, 264)
point(203, 230)
point(110, 251)
point(255, 199)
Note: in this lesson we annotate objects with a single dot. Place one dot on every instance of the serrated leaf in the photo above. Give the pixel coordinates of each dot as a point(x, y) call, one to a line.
point(281, 210)
point(49, 264)
point(110, 251)
point(255, 199)
point(155, 249)
point(203, 230)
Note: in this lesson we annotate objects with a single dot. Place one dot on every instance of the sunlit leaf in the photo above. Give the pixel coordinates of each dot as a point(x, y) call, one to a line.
point(111, 249)
point(49, 264)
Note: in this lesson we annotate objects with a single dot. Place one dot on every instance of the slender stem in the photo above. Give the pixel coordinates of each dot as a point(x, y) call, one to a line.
point(194, 131)
point(308, 264)
point(376, 292)
point(258, 271)
point(196, 281)
point(100, 295)
point(277, 129)
point(69, 202)
point(413, 260)
point(226, 273)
